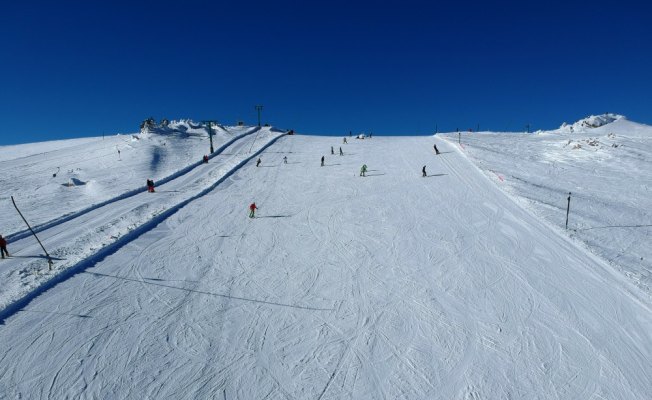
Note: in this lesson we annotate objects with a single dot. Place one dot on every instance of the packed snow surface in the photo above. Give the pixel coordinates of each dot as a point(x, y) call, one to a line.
point(57, 178)
point(389, 286)
point(607, 170)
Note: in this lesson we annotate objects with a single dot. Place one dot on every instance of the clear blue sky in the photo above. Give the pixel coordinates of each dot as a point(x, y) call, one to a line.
point(72, 69)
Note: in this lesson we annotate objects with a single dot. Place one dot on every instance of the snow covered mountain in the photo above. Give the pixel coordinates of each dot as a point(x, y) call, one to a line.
point(461, 284)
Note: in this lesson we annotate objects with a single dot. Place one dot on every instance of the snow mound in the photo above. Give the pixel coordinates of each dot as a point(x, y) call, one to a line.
point(593, 121)
point(180, 128)
point(183, 128)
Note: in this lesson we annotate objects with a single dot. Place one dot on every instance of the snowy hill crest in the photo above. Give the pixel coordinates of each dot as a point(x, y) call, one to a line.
point(590, 122)
point(185, 127)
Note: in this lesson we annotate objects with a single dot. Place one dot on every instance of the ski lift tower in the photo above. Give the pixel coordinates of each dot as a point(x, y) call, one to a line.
point(210, 131)
point(259, 108)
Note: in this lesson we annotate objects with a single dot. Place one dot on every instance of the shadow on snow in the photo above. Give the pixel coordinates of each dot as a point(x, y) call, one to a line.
point(209, 293)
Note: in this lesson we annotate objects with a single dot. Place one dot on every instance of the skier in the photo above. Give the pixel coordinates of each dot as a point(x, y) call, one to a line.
point(436, 149)
point(363, 170)
point(322, 161)
point(344, 141)
point(370, 135)
point(258, 162)
point(252, 210)
point(150, 185)
point(3, 247)
point(341, 153)
point(332, 151)
point(285, 159)
point(424, 171)
point(205, 158)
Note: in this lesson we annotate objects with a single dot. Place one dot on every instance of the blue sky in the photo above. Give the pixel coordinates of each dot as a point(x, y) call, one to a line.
point(73, 69)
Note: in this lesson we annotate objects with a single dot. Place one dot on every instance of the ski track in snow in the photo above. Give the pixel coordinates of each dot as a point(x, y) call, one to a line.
point(405, 287)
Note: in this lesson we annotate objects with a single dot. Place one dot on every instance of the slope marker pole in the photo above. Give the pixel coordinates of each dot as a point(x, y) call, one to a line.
point(568, 209)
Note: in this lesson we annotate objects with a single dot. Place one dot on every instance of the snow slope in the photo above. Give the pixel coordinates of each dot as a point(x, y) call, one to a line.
point(96, 169)
point(92, 231)
point(388, 286)
point(607, 170)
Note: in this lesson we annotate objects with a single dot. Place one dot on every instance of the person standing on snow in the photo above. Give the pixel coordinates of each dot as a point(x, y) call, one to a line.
point(205, 159)
point(341, 153)
point(363, 170)
point(252, 210)
point(332, 151)
point(258, 162)
point(150, 186)
point(322, 161)
point(3, 247)
point(285, 159)
point(423, 170)
point(436, 149)
point(344, 141)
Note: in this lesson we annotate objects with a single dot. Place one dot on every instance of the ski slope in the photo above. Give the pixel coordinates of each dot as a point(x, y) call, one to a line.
point(605, 161)
point(387, 286)
point(87, 234)
point(38, 175)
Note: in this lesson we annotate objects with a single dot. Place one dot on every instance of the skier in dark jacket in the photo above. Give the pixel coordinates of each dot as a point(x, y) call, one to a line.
point(341, 152)
point(332, 151)
point(150, 185)
point(205, 159)
point(322, 161)
point(424, 171)
point(3, 247)
point(436, 149)
point(258, 162)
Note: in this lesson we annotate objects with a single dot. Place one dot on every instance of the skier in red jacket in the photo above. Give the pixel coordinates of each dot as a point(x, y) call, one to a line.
point(3, 247)
point(252, 210)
